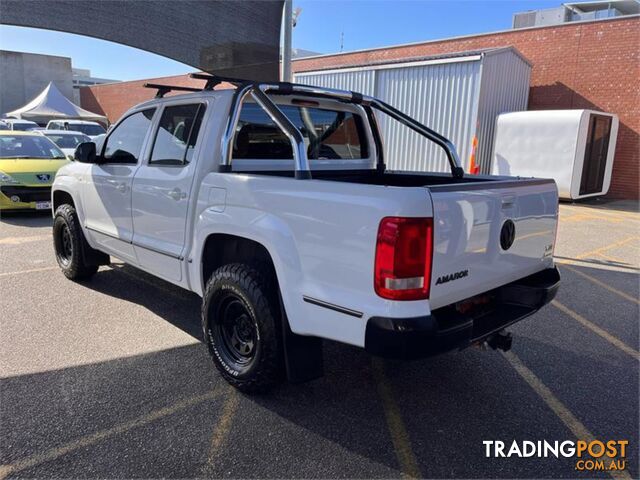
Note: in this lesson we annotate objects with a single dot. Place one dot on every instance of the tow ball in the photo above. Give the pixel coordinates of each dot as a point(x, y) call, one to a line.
point(501, 340)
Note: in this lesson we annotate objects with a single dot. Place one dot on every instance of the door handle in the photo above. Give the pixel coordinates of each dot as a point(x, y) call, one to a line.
point(177, 194)
point(120, 186)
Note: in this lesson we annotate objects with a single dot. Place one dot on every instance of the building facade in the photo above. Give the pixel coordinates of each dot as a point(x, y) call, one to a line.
point(81, 77)
point(24, 75)
point(575, 12)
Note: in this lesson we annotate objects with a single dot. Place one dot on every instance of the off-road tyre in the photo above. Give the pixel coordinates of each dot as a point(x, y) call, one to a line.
point(69, 244)
point(241, 323)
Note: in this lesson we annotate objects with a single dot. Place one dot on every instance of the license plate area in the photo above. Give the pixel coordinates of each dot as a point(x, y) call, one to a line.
point(476, 306)
point(43, 205)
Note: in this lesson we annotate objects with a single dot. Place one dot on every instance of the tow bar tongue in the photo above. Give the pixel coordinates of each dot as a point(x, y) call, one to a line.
point(501, 340)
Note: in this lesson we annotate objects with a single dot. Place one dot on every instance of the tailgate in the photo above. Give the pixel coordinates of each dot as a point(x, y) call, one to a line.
point(487, 234)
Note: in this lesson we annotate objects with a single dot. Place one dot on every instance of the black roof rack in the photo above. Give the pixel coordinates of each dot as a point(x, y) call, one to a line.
point(164, 89)
point(282, 88)
point(213, 80)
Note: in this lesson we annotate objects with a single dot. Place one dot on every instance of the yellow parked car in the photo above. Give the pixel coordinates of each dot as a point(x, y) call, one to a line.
point(28, 164)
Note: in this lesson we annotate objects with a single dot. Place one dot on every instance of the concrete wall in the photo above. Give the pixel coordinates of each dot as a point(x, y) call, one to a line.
point(24, 75)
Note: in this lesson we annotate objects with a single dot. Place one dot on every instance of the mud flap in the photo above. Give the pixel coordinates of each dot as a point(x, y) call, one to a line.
point(93, 257)
point(303, 356)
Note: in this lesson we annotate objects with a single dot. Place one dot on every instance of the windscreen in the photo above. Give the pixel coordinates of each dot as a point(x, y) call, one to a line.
point(88, 129)
point(328, 134)
point(28, 146)
point(69, 140)
point(23, 127)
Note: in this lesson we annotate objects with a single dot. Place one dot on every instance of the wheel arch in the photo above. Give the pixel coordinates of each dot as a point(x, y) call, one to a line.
point(277, 244)
point(303, 355)
point(61, 197)
point(63, 191)
point(223, 248)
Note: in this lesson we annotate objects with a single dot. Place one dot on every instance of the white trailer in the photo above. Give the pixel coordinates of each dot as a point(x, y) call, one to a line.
point(574, 147)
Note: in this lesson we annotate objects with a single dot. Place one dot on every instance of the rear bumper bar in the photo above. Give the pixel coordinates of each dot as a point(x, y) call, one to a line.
point(448, 329)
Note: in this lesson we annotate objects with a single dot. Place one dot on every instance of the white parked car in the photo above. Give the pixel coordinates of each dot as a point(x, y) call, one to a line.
point(19, 124)
point(66, 140)
point(92, 129)
point(98, 140)
point(273, 203)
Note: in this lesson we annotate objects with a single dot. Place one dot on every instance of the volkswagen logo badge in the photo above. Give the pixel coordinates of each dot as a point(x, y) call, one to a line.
point(43, 177)
point(507, 234)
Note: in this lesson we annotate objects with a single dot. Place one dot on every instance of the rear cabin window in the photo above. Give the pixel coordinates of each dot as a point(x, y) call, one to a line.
point(328, 134)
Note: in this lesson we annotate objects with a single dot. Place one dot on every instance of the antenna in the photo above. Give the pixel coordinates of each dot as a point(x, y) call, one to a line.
point(341, 41)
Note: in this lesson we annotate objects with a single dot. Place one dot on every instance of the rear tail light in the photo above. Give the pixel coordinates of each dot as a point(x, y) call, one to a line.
point(404, 252)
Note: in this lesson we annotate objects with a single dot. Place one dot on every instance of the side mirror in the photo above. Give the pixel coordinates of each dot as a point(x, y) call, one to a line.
point(85, 153)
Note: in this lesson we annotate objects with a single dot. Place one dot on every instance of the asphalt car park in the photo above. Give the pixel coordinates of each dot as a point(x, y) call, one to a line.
point(109, 378)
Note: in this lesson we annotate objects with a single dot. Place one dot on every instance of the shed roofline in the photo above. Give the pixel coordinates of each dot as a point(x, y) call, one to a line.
point(454, 57)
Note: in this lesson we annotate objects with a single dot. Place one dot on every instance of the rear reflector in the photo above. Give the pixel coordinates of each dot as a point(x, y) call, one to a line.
point(404, 251)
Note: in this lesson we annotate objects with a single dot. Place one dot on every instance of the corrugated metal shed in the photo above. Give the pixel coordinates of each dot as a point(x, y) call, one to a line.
point(459, 95)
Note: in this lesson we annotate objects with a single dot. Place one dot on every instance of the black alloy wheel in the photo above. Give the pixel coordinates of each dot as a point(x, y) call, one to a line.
point(235, 332)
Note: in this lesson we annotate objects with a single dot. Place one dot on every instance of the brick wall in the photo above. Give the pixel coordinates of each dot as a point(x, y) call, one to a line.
point(113, 99)
point(592, 65)
point(583, 65)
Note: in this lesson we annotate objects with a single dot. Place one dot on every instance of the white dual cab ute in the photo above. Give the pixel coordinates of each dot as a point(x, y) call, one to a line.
point(272, 202)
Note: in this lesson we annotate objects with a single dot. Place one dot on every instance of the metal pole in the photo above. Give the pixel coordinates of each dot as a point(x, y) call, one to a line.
point(435, 137)
point(287, 25)
point(301, 161)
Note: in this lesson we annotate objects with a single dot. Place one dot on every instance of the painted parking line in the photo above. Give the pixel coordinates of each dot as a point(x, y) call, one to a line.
point(600, 210)
point(596, 264)
point(562, 412)
point(585, 217)
point(597, 330)
point(607, 257)
point(91, 439)
point(222, 428)
point(619, 243)
point(603, 285)
point(33, 270)
point(399, 435)
point(21, 240)
point(117, 267)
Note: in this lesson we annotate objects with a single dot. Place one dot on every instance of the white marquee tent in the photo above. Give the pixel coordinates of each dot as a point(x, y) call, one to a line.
point(51, 104)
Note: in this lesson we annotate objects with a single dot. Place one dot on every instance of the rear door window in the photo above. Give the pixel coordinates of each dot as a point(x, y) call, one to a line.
point(329, 134)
